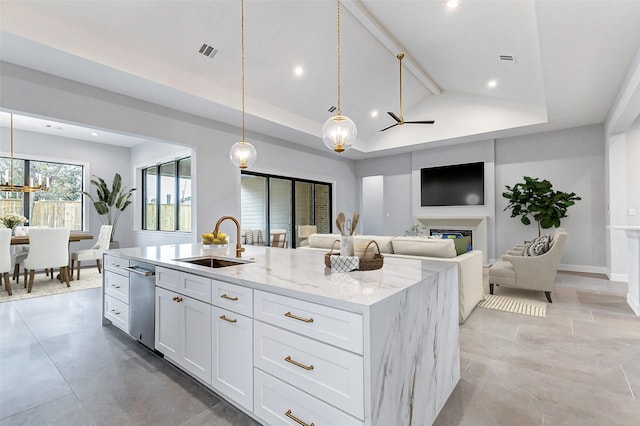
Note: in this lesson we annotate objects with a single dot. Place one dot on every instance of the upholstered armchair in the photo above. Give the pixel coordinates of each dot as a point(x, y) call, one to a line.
point(529, 272)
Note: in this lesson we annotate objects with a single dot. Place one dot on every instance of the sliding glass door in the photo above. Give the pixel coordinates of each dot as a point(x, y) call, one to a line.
point(274, 209)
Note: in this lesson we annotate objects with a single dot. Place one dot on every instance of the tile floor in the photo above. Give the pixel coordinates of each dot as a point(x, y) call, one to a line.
point(578, 366)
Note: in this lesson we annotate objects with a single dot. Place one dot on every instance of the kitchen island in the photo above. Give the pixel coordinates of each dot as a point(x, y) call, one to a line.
point(290, 342)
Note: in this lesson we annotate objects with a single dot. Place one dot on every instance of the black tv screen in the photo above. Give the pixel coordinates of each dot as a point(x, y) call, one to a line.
point(456, 185)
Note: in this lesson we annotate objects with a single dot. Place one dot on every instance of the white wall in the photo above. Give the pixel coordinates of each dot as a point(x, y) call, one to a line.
point(633, 175)
point(396, 191)
point(99, 159)
point(573, 161)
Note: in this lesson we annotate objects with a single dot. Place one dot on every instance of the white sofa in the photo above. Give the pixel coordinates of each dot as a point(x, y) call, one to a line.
point(470, 288)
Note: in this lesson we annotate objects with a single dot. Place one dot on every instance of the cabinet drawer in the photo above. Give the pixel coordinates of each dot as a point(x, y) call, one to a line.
point(116, 285)
point(274, 399)
point(117, 312)
point(233, 297)
point(115, 262)
point(168, 278)
point(328, 373)
point(195, 286)
point(339, 328)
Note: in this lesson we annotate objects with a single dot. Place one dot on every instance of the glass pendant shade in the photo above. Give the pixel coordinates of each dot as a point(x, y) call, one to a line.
point(243, 154)
point(339, 132)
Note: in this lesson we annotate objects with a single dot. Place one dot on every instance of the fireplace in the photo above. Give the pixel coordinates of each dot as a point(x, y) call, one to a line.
point(474, 227)
point(453, 233)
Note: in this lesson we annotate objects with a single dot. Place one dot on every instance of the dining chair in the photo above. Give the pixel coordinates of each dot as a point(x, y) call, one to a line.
point(49, 248)
point(21, 251)
point(95, 252)
point(5, 257)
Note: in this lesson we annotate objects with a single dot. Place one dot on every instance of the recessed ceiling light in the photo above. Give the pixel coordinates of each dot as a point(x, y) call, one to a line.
point(452, 4)
point(492, 83)
point(94, 134)
point(374, 113)
point(298, 71)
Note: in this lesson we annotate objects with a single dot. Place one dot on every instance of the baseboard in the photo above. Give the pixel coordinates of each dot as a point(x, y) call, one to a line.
point(634, 305)
point(583, 268)
point(619, 277)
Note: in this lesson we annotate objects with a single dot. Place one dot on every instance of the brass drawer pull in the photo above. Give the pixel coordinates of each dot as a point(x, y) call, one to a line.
point(233, 299)
point(290, 315)
point(222, 317)
point(297, 364)
point(297, 420)
point(177, 299)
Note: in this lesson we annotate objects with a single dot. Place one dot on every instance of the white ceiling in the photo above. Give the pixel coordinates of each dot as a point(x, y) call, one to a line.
point(571, 58)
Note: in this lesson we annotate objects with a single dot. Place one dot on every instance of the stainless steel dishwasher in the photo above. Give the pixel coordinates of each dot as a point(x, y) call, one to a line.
point(142, 298)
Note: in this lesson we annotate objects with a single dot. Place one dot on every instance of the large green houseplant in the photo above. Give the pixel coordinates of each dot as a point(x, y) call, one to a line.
point(110, 203)
point(536, 199)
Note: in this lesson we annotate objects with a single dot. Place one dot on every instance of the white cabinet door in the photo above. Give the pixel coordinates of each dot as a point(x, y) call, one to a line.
point(168, 336)
point(183, 332)
point(196, 330)
point(232, 359)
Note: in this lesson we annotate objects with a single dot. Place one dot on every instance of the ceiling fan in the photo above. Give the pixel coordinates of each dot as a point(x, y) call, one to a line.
point(400, 120)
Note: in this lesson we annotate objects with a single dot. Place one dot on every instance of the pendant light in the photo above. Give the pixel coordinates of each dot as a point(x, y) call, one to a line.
point(339, 132)
point(242, 153)
point(7, 184)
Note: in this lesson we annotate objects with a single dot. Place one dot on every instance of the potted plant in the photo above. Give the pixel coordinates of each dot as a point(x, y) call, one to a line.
point(537, 199)
point(110, 203)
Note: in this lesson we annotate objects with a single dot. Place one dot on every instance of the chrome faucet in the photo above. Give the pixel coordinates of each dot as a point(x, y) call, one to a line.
point(239, 248)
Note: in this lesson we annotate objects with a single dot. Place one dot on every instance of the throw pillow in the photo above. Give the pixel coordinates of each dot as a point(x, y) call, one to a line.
point(538, 246)
point(462, 245)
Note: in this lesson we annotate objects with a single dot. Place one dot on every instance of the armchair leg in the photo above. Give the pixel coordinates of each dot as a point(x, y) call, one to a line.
point(78, 270)
point(548, 294)
point(99, 265)
point(490, 288)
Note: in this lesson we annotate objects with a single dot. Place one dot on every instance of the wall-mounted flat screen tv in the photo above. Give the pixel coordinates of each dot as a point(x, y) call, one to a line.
point(455, 185)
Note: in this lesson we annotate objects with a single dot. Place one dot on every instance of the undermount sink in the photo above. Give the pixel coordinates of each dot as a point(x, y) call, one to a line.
point(212, 262)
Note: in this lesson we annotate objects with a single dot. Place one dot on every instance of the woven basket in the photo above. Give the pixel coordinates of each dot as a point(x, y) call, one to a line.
point(365, 264)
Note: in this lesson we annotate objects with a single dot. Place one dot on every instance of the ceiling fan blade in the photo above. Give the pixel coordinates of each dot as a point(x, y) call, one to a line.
point(420, 122)
point(387, 128)
point(395, 117)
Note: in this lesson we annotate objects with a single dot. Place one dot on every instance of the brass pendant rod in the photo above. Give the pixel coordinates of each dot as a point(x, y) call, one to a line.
point(400, 56)
point(242, 48)
point(11, 139)
point(339, 108)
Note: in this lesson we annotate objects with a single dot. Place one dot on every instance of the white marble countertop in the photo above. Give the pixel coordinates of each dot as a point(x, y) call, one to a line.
point(297, 273)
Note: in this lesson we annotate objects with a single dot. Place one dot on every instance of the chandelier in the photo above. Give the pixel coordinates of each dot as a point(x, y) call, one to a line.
point(7, 184)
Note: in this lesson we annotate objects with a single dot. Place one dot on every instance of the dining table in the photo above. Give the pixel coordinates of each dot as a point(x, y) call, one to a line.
point(73, 237)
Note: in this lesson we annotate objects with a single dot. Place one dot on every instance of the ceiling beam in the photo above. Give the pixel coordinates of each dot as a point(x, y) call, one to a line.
point(362, 15)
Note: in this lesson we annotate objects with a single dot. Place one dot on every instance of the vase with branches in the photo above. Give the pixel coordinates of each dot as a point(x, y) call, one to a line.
point(536, 199)
point(110, 202)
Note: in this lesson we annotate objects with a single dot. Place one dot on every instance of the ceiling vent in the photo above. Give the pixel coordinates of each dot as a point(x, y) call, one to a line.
point(208, 51)
point(332, 108)
point(508, 58)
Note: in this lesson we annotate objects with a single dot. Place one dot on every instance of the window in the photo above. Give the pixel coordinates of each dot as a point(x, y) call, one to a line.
point(167, 196)
point(60, 207)
point(273, 205)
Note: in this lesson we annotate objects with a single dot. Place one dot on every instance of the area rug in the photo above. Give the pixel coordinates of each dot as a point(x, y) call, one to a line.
point(514, 305)
point(45, 286)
